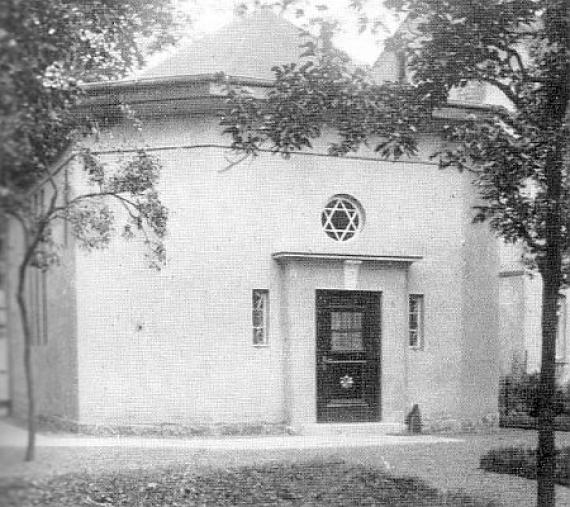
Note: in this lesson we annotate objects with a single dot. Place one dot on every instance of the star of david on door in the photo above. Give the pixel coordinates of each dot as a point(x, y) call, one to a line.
point(341, 219)
point(346, 382)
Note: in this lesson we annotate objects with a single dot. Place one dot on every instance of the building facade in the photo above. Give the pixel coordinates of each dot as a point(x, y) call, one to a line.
point(301, 292)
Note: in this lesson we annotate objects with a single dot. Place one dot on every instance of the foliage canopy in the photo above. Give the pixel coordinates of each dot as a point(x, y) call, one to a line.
point(48, 49)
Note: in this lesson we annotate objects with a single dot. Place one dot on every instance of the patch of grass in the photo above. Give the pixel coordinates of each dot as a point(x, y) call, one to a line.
point(522, 462)
point(330, 484)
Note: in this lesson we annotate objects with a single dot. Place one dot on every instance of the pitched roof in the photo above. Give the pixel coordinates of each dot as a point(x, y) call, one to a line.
point(246, 48)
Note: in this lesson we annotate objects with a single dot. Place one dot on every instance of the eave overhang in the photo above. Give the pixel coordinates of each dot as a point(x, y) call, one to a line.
point(168, 95)
point(202, 92)
point(404, 260)
point(145, 83)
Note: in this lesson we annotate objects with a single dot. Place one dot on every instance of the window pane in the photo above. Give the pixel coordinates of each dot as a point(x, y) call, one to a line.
point(338, 341)
point(415, 320)
point(258, 336)
point(346, 342)
point(259, 316)
point(561, 330)
point(336, 320)
point(356, 341)
point(342, 341)
point(346, 321)
point(413, 304)
point(356, 320)
point(413, 338)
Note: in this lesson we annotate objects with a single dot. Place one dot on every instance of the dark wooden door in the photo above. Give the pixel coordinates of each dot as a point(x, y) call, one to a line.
point(348, 356)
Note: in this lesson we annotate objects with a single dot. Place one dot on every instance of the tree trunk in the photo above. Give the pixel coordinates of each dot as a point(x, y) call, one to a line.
point(556, 111)
point(551, 271)
point(28, 367)
point(546, 436)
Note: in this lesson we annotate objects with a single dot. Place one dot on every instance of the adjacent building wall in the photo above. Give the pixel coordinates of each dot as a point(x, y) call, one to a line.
point(54, 349)
point(4, 378)
point(521, 330)
point(533, 330)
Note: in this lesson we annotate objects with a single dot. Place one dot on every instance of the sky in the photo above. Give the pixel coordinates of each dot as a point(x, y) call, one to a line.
point(210, 15)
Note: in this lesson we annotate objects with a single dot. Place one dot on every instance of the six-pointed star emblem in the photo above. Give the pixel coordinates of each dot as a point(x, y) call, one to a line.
point(340, 219)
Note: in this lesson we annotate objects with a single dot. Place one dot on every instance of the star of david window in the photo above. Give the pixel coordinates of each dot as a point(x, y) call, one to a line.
point(342, 217)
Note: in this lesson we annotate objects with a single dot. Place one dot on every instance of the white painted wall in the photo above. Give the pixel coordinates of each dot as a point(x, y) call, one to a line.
point(176, 346)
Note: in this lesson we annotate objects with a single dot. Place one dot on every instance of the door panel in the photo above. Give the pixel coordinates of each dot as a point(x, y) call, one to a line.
point(348, 352)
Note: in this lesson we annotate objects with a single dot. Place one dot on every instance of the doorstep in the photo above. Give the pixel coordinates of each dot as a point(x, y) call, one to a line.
point(351, 429)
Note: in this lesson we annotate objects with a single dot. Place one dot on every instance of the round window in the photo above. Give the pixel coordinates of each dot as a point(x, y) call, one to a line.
point(342, 217)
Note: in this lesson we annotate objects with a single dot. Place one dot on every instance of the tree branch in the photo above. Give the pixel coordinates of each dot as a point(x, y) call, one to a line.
point(512, 96)
point(232, 163)
point(55, 194)
point(126, 203)
point(93, 195)
point(514, 53)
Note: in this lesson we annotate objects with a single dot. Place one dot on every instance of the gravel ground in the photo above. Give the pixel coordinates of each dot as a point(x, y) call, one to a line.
point(445, 466)
point(323, 484)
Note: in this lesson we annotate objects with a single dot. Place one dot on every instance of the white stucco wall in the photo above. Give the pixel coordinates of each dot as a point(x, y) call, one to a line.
point(175, 346)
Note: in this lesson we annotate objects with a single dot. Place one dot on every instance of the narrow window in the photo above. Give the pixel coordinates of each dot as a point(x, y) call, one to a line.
point(66, 191)
point(38, 305)
point(33, 281)
point(44, 303)
point(37, 289)
point(259, 316)
point(42, 289)
point(416, 321)
point(561, 330)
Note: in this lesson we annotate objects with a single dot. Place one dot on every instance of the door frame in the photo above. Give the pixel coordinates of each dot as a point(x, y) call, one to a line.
point(374, 298)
